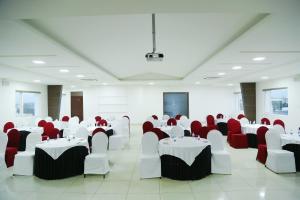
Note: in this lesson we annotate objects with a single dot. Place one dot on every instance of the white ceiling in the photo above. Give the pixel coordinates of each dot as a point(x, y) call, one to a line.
point(111, 48)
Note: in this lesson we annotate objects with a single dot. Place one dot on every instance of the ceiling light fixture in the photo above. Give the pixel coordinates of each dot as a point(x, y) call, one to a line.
point(37, 81)
point(154, 56)
point(237, 67)
point(104, 83)
point(150, 83)
point(264, 77)
point(79, 76)
point(72, 86)
point(197, 82)
point(259, 58)
point(39, 62)
point(221, 73)
point(230, 84)
point(64, 70)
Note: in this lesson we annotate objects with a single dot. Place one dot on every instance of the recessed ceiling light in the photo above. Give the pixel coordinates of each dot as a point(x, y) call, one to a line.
point(197, 83)
point(264, 77)
point(259, 58)
point(230, 84)
point(80, 76)
point(72, 86)
point(237, 67)
point(221, 73)
point(150, 83)
point(104, 83)
point(64, 70)
point(37, 81)
point(40, 62)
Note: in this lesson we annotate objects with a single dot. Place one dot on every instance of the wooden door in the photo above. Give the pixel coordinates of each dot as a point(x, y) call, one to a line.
point(77, 106)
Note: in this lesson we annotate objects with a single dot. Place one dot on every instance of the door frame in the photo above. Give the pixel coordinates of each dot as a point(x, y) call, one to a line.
point(188, 101)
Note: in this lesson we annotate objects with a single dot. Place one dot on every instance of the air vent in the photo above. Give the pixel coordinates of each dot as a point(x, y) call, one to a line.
point(211, 77)
point(89, 79)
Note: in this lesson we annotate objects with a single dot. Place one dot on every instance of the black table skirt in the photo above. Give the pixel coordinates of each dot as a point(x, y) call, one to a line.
point(252, 140)
point(295, 148)
point(222, 127)
point(70, 163)
point(23, 137)
point(175, 168)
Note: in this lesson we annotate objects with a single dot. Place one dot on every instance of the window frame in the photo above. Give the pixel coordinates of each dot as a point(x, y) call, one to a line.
point(22, 114)
point(270, 111)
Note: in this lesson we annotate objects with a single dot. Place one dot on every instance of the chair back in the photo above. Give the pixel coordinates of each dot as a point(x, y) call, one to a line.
point(171, 122)
point(147, 126)
point(261, 132)
point(14, 137)
point(42, 123)
point(149, 143)
point(234, 126)
point(99, 143)
point(204, 131)
point(279, 129)
point(82, 132)
point(52, 133)
point(65, 118)
point(177, 117)
point(3, 143)
point(155, 117)
point(210, 120)
point(265, 121)
point(240, 116)
point(97, 118)
point(184, 122)
point(196, 127)
point(244, 120)
point(177, 131)
point(7, 126)
point(31, 140)
point(220, 116)
point(216, 139)
point(273, 140)
point(48, 119)
point(160, 134)
point(97, 130)
point(102, 122)
point(279, 122)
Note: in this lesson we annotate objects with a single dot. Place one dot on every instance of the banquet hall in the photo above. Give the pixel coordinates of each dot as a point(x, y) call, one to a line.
point(158, 100)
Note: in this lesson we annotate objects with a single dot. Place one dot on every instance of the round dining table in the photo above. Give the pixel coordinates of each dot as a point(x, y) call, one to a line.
point(292, 143)
point(185, 158)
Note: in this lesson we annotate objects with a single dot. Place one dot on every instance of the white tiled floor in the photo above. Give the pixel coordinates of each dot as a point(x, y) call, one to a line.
point(249, 180)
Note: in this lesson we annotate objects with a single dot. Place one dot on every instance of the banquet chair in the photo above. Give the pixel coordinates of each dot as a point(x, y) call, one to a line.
point(102, 122)
point(155, 117)
point(220, 160)
point(184, 122)
point(177, 131)
point(171, 122)
point(41, 123)
point(7, 126)
point(82, 132)
point(240, 116)
point(261, 144)
point(196, 128)
point(279, 122)
point(235, 137)
point(97, 161)
point(12, 146)
point(147, 126)
point(117, 140)
point(3, 144)
point(279, 129)
point(150, 164)
point(244, 120)
point(23, 164)
point(165, 117)
point(97, 118)
point(220, 116)
point(278, 160)
point(84, 123)
point(65, 118)
point(98, 130)
point(265, 121)
point(177, 117)
point(160, 134)
point(52, 133)
point(211, 122)
point(48, 119)
point(204, 131)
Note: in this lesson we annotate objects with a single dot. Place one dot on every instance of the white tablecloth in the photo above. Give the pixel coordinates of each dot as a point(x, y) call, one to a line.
point(186, 148)
point(289, 139)
point(55, 148)
point(32, 129)
point(252, 128)
point(92, 128)
point(167, 129)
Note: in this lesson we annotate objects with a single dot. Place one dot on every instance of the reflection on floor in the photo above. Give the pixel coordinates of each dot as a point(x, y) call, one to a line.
point(250, 180)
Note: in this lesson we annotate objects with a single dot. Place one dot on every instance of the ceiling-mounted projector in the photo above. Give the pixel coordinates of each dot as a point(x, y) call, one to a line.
point(154, 56)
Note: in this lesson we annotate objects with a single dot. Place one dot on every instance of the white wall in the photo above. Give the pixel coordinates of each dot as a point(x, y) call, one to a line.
point(7, 101)
point(65, 105)
point(140, 102)
point(292, 120)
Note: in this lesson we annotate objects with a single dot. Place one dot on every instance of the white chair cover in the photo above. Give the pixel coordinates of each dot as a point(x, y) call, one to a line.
point(221, 160)
point(31, 140)
point(82, 132)
point(48, 119)
point(184, 122)
point(3, 144)
point(278, 160)
point(244, 120)
point(279, 129)
point(150, 164)
point(84, 124)
point(177, 131)
point(99, 143)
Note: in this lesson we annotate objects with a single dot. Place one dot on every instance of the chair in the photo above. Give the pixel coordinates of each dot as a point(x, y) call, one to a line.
point(265, 121)
point(196, 127)
point(177, 131)
point(261, 144)
point(279, 122)
point(235, 137)
point(177, 117)
point(240, 116)
point(65, 118)
point(150, 164)
point(184, 122)
point(102, 122)
point(117, 140)
point(279, 128)
point(147, 126)
point(97, 161)
point(41, 123)
point(278, 160)
point(7, 126)
point(155, 117)
point(220, 161)
point(12, 146)
point(3, 144)
point(98, 130)
point(244, 120)
point(82, 132)
point(97, 118)
point(222, 127)
point(52, 133)
point(220, 116)
point(211, 122)
point(204, 131)
point(171, 122)
point(160, 134)
point(48, 119)
point(23, 164)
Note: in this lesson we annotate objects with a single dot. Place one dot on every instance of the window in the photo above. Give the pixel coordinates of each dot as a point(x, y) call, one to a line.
point(239, 102)
point(27, 103)
point(276, 101)
point(176, 103)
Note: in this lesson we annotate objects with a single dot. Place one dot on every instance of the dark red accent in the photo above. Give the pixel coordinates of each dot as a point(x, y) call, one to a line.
point(102, 122)
point(52, 133)
point(279, 122)
point(210, 120)
point(235, 137)
point(220, 116)
point(261, 142)
point(171, 122)
point(12, 146)
point(177, 117)
point(160, 134)
point(240, 116)
point(265, 121)
point(97, 118)
point(204, 132)
point(7, 126)
point(98, 130)
point(196, 127)
point(65, 118)
point(155, 117)
point(147, 126)
point(42, 123)
point(10, 156)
